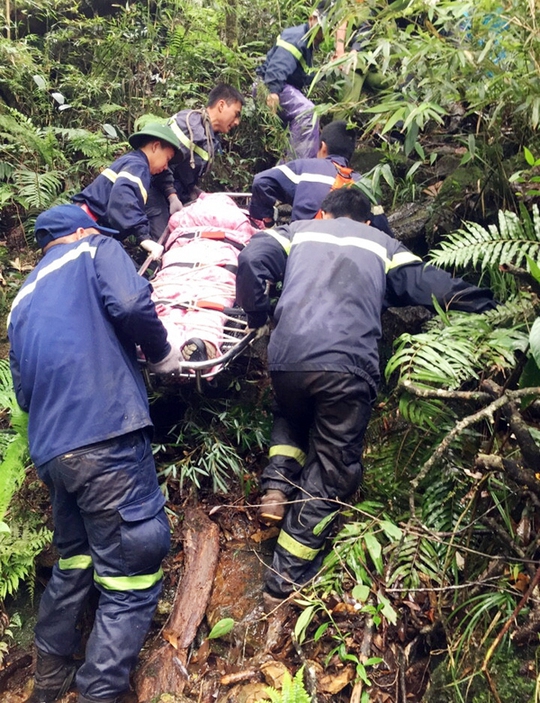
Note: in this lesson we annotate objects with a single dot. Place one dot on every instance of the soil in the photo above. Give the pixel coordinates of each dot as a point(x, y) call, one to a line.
point(239, 666)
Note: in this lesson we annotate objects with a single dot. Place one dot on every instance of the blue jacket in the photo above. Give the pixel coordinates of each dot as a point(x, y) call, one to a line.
point(303, 183)
point(73, 328)
point(198, 145)
point(118, 196)
point(288, 61)
point(338, 275)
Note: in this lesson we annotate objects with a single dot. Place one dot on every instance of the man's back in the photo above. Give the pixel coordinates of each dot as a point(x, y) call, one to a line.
point(302, 183)
point(72, 352)
point(329, 314)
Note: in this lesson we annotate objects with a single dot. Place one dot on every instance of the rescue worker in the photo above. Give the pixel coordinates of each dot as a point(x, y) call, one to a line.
point(197, 131)
point(304, 183)
point(73, 330)
point(338, 273)
point(285, 72)
point(117, 197)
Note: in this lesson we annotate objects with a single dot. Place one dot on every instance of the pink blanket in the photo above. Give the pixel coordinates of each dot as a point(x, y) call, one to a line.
point(196, 280)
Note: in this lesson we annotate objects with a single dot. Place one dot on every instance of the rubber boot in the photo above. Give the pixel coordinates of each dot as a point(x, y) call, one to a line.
point(84, 699)
point(53, 677)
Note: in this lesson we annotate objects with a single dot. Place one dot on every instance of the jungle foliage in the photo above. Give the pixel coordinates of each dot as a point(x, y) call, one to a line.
point(447, 534)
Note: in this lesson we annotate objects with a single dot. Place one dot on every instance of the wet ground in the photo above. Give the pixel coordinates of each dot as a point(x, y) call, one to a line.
point(239, 666)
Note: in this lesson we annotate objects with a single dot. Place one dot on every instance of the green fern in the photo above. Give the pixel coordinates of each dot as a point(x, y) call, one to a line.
point(37, 191)
point(414, 563)
point(511, 242)
point(25, 142)
point(20, 541)
point(293, 690)
point(15, 441)
point(455, 349)
point(19, 546)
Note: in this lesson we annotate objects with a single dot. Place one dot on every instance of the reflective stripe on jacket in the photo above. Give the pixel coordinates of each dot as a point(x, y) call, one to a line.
point(198, 145)
point(118, 195)
point(288, 61)
point(338, 275)
point(303, 183)
point(73, 328)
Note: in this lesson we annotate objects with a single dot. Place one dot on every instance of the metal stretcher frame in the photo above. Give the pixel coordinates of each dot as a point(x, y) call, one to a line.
point(235, 339)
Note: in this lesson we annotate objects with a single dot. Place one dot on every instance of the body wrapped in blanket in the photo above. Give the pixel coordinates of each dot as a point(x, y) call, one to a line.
point(195, 284)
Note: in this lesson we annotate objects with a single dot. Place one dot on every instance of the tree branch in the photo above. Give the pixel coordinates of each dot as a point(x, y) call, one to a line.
point(484, 413)
point(524, 276)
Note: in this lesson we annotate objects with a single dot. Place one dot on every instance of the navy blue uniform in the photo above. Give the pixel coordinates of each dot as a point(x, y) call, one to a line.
point(73, 329)
point(288, 61)
point(198, 146)
point(117, 197)
point(286, 71)
point(303, 183)
point(323, 358)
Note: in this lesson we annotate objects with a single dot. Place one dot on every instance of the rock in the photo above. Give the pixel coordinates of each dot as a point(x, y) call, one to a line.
point(409, 222)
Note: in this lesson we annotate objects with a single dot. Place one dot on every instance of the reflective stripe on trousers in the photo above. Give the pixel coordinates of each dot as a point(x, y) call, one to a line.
point(333, 410)
point(112, 533)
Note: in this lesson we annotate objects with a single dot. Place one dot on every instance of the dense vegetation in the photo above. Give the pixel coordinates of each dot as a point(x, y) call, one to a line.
point(447, 538)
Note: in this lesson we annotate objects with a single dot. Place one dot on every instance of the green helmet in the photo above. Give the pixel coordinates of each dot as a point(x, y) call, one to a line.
point(157, 130)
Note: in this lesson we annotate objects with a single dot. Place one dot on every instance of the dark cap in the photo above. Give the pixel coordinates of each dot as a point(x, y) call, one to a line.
point(62, 220)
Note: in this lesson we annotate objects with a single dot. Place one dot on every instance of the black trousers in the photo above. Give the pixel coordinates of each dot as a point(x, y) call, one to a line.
point(157, 211)
point(320, 419)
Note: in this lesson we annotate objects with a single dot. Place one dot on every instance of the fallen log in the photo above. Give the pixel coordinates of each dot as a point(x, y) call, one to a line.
point(164, 670)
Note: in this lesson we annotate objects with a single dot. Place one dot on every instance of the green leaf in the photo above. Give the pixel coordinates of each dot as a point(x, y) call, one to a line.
point(387, 610)
point(360, 593)
point(534, 269)
point(534, 340)
point(303, 621)
point(391, 530)
point(529, 158)
point(320, 631)
point(320, 526)
point(221, 628)
point(375, 551)
point(529, 378)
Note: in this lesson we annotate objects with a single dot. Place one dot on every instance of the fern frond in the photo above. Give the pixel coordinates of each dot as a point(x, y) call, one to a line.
point(416, 563)
point(510, 242)
point(29, 141)
point(19, 546)
point(293, 690)
point(14, 441)
point(37, 190)
point(446, 356)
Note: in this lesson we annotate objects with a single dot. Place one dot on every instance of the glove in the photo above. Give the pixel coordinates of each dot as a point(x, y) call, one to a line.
point(263, 331)
point(272, 100)
point(175, 204)
point(170, 364)
point(153, 248)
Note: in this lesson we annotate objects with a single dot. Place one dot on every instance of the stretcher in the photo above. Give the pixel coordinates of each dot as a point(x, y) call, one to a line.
point(195, 282)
